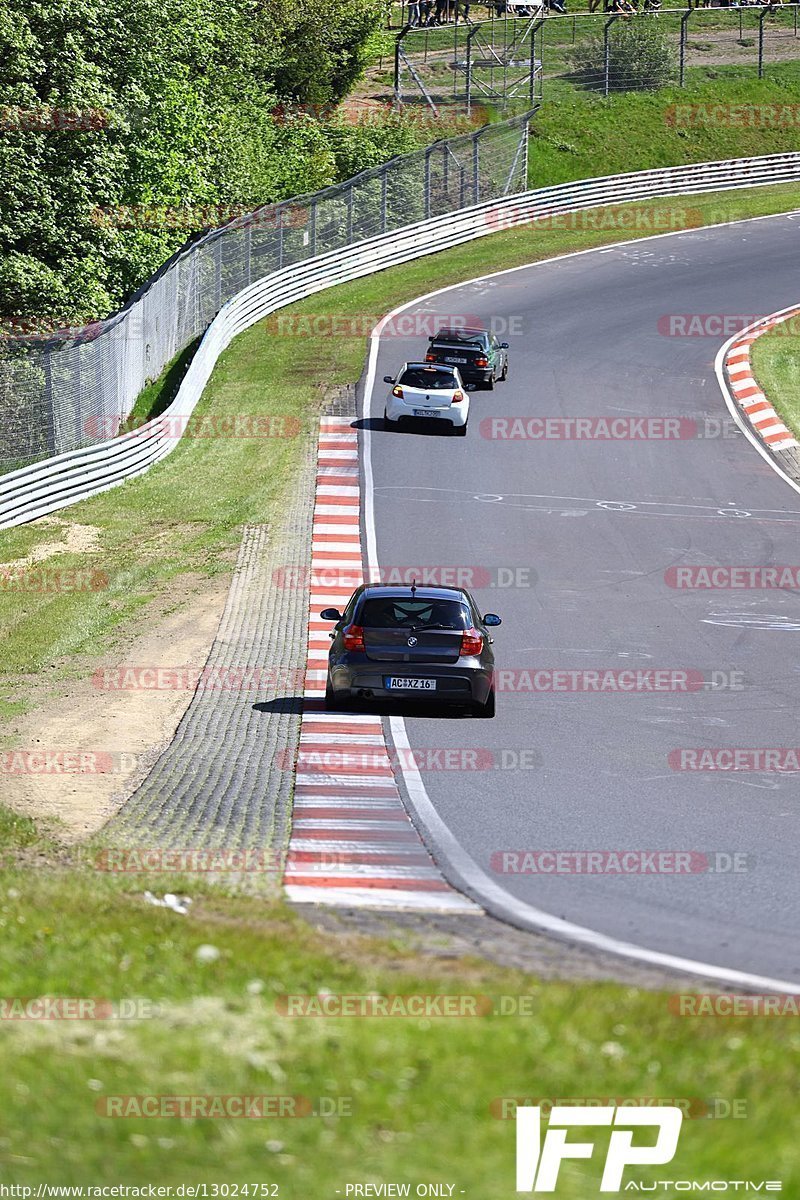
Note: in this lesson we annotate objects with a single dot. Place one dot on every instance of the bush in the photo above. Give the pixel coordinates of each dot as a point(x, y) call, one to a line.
point(640, 56)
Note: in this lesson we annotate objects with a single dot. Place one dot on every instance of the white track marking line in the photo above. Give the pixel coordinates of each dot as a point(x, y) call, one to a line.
point(468, 875)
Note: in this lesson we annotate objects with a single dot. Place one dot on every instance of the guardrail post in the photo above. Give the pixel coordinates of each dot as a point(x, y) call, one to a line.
point(761, 17)
point(312, 229)
point(684, 24)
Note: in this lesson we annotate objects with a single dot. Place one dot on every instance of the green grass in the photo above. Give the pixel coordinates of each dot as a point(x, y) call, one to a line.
point(776, 363)
point(184, 518)
point(417, 1093)
point(635, 131)
point(160, 392)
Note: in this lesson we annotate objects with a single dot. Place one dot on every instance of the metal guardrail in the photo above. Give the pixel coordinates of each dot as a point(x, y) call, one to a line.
point(58, 482)
point(63, 389)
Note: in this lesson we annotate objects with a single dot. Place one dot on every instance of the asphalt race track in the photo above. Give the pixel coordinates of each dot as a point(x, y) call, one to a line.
point(599, 523)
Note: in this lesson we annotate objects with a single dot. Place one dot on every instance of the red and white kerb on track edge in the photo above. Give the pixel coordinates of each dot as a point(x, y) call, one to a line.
point(352, 842)
point(765, 422)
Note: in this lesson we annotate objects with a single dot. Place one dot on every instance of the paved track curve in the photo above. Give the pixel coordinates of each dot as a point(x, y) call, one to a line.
point(600, 523)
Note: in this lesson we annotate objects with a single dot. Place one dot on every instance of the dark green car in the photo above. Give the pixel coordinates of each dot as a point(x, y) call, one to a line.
point(479, 356)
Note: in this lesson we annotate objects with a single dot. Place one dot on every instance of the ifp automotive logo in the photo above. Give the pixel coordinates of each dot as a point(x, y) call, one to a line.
point(538, 1162)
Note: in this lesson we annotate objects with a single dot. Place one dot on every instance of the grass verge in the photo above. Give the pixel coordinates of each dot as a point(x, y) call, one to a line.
point(775, 358)
point(724, 114)
point(407, 1099)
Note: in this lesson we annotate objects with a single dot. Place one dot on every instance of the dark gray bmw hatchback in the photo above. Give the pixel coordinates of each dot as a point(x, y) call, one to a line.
point(426, 643)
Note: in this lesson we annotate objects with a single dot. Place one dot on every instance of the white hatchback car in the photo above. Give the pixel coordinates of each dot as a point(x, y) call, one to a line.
point(425, 392)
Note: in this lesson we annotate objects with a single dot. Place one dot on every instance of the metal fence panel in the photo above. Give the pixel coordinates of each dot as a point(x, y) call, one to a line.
point(61, 395)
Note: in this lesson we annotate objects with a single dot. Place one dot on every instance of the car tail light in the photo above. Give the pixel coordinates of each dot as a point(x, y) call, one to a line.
point(353, 637)
point(397, 391)
point(430, 358)
point(481, 362)
point(457, 397)
point(471, 642)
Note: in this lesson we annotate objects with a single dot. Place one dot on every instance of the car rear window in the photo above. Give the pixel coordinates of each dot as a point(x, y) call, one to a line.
point(418, 377)
point(387, 612)
point(461, 336)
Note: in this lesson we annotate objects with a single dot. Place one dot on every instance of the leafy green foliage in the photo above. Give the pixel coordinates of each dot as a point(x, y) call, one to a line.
point(157, 105)
point(640, 56)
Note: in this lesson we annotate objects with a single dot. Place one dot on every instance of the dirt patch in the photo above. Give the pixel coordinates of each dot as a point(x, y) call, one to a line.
point(75, 539)
point(111, 735)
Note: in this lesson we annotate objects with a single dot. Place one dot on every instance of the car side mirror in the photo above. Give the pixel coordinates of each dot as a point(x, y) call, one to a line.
point(489, 620)
point(331, 614)
point(504, 345)
point(388, 379)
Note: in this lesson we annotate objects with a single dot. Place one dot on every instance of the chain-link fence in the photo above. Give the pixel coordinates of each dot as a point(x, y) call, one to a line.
point(511, 60)
point(61, 394)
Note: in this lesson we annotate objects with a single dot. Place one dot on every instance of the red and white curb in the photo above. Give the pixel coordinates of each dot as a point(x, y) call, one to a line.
point(352, 841)
point(762, 417)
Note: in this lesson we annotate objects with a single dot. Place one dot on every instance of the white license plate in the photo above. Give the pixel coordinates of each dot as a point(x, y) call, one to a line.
point(458, 360)
point(425, 412)
point(400, 683)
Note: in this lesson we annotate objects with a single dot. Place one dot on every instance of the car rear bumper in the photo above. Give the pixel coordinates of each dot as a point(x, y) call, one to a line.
point(455, 684)
point(455, 414)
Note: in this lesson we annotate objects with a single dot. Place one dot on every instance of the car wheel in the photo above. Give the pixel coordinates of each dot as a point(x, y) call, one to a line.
point(486, 709)
point(490, 383)
point(460, 430)
point(504, 376)
point(330, 696)
point(389, 424)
